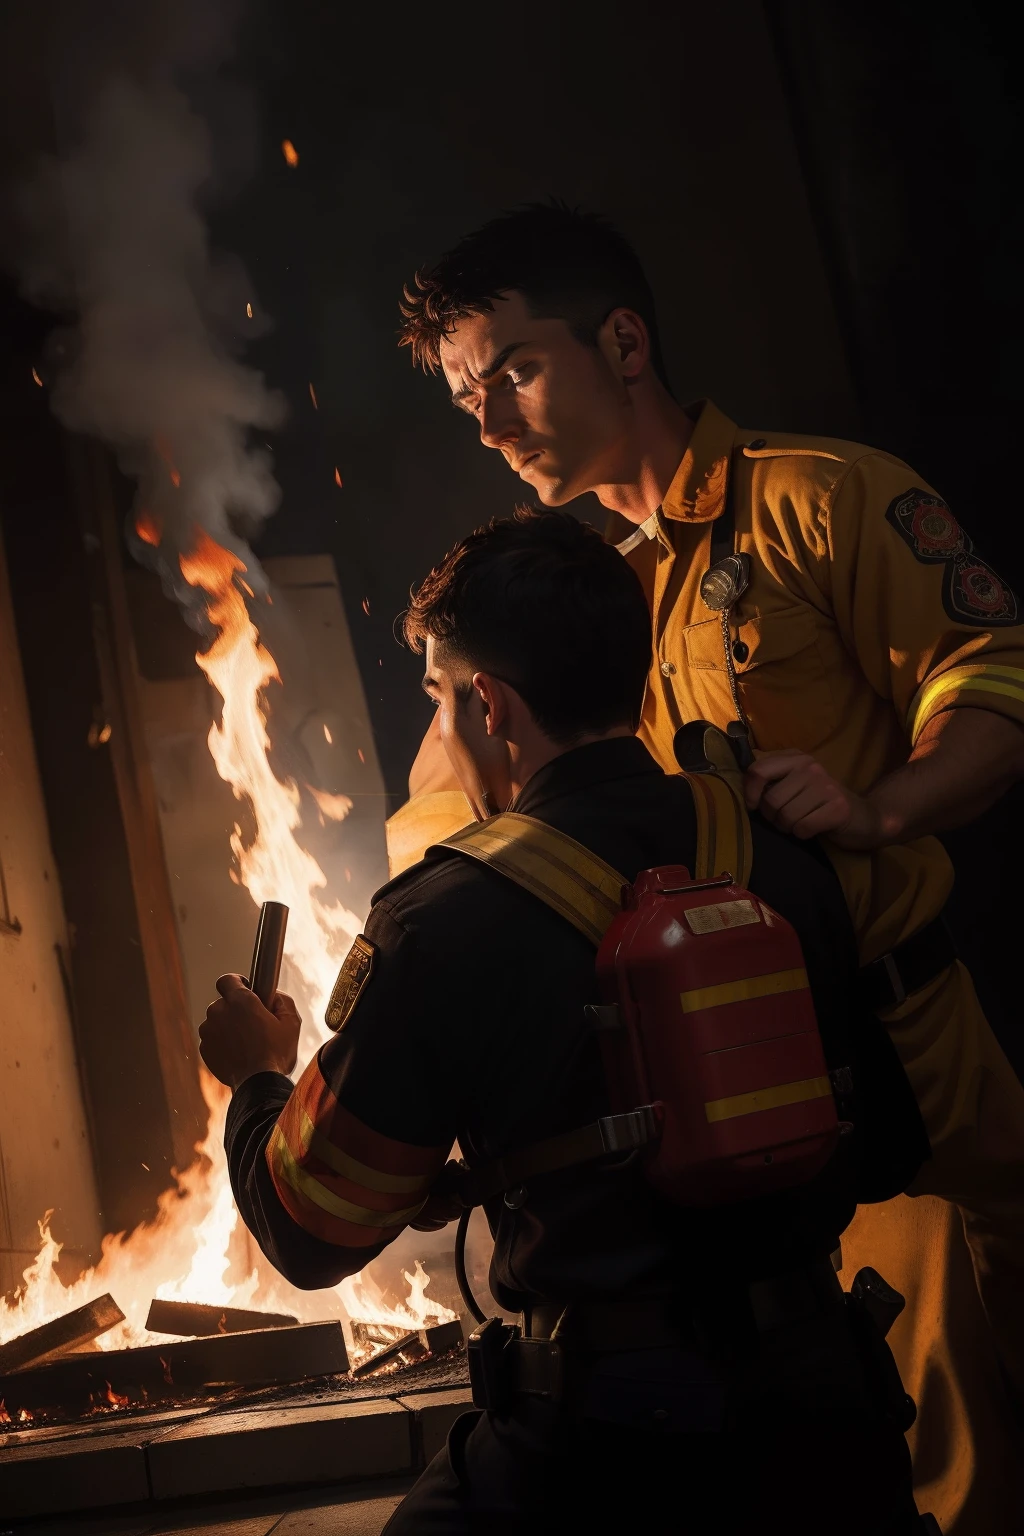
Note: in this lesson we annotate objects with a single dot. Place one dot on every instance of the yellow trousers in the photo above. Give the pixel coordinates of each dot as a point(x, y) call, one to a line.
point(961, 1339)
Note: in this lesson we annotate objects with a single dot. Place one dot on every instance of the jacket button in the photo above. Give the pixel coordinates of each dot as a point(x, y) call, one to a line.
point(740, 651)
point(667, 668)
point(759, 442)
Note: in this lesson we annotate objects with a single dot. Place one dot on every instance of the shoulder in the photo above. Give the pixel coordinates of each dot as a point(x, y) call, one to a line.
point(787, 459)
point(446, 897)
point(798, 487)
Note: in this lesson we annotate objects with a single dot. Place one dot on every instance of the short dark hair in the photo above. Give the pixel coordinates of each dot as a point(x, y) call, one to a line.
point(568, 265)
point(541, 601)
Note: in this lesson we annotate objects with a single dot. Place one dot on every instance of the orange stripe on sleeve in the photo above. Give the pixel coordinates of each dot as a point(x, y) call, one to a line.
point(339, 1179)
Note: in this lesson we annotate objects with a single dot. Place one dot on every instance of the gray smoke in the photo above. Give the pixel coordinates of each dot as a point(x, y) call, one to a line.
point(112, 234)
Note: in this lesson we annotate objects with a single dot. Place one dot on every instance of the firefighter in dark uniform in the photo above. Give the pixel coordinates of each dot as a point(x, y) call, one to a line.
point(703, 1362)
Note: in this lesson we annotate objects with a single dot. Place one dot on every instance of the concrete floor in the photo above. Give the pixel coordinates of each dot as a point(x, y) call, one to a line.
point(351, 1511)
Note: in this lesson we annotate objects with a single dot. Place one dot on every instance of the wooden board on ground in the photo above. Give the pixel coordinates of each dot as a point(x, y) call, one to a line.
point(196, 1320)
point(186, 1370)
point(59, 1336)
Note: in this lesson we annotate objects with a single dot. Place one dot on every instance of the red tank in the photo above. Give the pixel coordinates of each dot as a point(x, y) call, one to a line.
point(720, 1029)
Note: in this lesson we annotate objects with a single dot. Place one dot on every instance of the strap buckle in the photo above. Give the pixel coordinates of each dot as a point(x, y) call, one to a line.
point(636, 1128)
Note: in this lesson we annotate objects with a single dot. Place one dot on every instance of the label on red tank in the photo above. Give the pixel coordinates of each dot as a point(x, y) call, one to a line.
point(721, 914)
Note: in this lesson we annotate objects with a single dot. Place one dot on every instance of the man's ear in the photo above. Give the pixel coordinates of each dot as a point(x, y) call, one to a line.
point(494, 697)
point(626, 343)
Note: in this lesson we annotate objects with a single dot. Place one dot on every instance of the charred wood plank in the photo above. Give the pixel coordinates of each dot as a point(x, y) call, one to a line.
point(186, 1370)
point(51, 1340)
point(439, 1339)
point(193, 1319)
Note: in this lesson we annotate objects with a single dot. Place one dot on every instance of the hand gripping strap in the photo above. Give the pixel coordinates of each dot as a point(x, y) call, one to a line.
point(550, 865)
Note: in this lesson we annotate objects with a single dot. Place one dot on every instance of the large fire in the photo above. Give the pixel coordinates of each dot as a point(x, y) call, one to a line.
point(196, 1248)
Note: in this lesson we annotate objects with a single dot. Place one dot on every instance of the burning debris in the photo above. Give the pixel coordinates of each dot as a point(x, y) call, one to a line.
point(196, 1320)
point(60, 1336)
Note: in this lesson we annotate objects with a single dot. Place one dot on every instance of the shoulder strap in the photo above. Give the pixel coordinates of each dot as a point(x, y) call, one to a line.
point(723, 828)
point(548, 864)
point(583, 888)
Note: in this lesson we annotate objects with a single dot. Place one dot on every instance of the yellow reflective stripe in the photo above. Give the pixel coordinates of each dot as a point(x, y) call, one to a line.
point(554, 867)
point(304, 1184)
point(312, 1140)
point(767, 1098)
point(739, 991)
point(723, 829)
point(1008, 681)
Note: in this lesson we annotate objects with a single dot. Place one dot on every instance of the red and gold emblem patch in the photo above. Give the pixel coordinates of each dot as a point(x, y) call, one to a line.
point(972, 593)
point(352, 978)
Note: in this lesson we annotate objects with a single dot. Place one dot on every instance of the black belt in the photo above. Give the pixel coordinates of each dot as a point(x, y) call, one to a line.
point(537, 1362)
point(892, 978)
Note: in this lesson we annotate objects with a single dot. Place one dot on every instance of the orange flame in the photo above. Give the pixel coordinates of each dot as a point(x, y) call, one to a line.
point(312, 396)
point(196, 1249)
point(114, 1398)
point(289, 151)
point(148, 527)
point(337, 477)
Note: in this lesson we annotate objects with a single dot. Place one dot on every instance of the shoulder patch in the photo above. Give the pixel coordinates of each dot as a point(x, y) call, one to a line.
point(972, 593)
point(352, 978)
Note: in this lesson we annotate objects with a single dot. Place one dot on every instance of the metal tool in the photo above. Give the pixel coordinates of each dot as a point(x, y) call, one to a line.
point(268, 951)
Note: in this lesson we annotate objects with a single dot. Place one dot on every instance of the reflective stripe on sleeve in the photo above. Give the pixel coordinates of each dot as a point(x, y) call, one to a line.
point(939, 692)
point(339, 1179)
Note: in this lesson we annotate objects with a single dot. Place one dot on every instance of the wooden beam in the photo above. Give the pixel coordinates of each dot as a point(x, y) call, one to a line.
point(184, 1371)
point(58, 1337)
point(195, 1320)
point(115, 650)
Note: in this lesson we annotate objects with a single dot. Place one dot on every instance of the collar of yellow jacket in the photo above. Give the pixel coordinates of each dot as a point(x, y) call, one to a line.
point(697, 492)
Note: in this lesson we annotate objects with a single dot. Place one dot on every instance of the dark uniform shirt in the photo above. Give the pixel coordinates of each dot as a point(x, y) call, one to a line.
point(471, 1025)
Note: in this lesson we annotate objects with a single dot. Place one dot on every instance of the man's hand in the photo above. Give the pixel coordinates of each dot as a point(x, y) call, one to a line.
point(794, 792)
point(240, 1037)
point(962, 761)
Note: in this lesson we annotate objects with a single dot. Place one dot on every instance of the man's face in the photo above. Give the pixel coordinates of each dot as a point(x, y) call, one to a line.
point(555, 408)
point(479, 761)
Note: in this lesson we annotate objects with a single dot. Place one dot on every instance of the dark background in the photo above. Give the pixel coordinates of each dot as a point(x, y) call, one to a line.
point(825, 196)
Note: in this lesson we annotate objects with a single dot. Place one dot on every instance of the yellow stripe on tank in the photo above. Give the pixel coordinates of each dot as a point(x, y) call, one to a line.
point(767, 1098)
point(740, 991)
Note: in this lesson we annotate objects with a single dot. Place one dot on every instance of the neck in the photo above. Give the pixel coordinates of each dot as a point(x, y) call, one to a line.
point(662, 431)
point(528, 757)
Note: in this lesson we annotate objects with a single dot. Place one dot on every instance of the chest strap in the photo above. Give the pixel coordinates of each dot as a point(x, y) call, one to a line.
point(581, 887)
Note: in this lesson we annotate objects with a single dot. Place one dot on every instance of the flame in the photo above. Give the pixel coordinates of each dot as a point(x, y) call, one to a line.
point(337, 477)
point(312, 396)
point(148, 527)
point(196, 1248)
point(289, 151)
point(114, 1398)
point(328, 737)
point(333, 807)
point(39, 381)
point(248, 310)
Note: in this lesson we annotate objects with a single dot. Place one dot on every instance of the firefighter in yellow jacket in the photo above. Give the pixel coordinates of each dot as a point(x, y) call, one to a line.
point(823, 596)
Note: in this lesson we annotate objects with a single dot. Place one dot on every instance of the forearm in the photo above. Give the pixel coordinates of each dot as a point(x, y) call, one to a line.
point(964, 759)
point(307, 1261)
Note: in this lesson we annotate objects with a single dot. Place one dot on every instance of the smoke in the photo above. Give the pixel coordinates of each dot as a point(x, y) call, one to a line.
point(112, 235)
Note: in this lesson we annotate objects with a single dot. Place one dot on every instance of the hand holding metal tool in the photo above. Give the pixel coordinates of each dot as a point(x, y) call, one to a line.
point(268, 951)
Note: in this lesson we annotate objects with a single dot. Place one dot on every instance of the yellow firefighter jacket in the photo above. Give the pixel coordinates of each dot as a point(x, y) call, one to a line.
point(868, 612)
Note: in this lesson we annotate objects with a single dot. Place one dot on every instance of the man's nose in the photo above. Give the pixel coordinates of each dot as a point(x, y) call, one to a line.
point(499, 422)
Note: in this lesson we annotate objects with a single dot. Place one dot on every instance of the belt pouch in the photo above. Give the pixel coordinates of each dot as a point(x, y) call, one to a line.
point(488, 1367)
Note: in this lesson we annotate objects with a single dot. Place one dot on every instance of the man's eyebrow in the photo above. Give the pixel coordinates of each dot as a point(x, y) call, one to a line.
point(494, 366)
